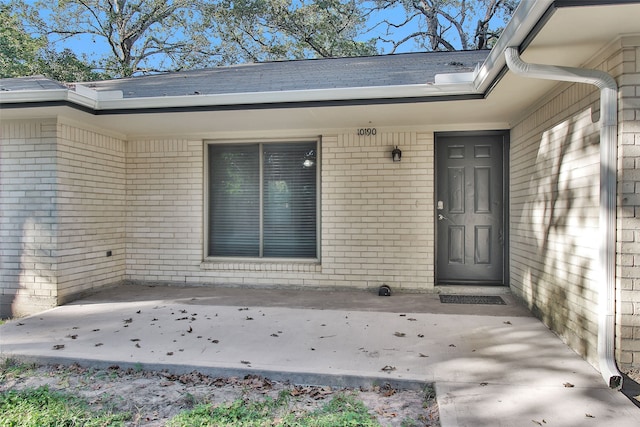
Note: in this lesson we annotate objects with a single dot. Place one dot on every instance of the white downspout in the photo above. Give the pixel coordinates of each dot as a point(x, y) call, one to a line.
point(608, 160)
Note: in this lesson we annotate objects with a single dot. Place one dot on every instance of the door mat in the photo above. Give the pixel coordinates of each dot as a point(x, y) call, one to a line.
point(472, 299)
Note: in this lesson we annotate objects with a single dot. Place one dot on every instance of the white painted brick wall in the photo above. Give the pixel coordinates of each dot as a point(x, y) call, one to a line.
point(28, 224)
point(62, 197)
point(554, 219)
point(626, 65)
point(164, 210)
point(91, 210)
point(553, 273)
point(377, 217)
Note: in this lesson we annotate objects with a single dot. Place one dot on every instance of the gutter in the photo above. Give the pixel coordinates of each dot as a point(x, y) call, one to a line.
point(521, 27)
point(113, 102)
point(608, 175)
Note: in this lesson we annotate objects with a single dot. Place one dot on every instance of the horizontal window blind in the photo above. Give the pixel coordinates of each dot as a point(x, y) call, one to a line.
point(289, 191)
point(263, 200)
point(234, 200)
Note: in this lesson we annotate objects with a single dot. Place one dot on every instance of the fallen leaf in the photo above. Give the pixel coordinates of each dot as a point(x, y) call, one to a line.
point(420, 335)
point(484, 384)
point(170, 353)
point(245, 362)
point(452, 345)
point(318, 393)
point(134, 339)
point(275, 335)
point(249, 318)
point(99, 344)
point(423, 355)
point(507, 323)
point(129, 320)
point(137, 345)
point(73, 337)
point(190, 329)
point(411, 319)
point(58, 346)
point(400, 334)
point(19, 324)
point(568, 385)
point(589, 416)
point(388, 368)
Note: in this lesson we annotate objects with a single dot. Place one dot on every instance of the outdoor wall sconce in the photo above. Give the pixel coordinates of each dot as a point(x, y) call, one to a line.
point(309, 159)
point(396, 154)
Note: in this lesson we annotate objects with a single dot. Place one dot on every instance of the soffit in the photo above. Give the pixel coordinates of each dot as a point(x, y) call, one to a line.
point(572, 37)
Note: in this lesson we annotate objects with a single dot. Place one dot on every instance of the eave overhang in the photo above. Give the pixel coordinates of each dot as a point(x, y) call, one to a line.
point(374, 95)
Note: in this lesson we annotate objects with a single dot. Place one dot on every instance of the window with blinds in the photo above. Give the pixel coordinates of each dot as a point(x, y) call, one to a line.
point(263, 200)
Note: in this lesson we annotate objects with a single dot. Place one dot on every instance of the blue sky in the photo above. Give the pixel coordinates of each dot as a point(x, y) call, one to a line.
point(89, 49)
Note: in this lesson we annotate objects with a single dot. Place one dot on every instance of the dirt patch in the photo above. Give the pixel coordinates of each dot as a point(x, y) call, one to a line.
point(154, 397)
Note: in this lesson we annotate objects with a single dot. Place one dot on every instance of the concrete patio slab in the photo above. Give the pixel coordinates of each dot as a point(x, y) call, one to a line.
point(493, 365)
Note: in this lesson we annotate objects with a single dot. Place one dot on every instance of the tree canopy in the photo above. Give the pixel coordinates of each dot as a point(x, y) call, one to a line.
point(121, 38)
point(437, 25)
point(259, 30)
point(24, 55)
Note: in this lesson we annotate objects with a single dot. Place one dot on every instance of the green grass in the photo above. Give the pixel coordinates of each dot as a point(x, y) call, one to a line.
point(344, 410)
point(11, 368)
point(41, 407)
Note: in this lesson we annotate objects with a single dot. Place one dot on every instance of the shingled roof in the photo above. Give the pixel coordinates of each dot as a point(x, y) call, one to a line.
point(30, 83)
point(376, 71)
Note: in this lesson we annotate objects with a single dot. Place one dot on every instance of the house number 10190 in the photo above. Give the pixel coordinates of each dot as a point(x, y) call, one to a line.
point(367, 132)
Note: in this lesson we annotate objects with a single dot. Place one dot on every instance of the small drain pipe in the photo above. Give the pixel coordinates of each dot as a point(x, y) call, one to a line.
point(608, 160)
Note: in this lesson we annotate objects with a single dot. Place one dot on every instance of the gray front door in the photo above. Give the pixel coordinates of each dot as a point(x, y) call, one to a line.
point(470, 208)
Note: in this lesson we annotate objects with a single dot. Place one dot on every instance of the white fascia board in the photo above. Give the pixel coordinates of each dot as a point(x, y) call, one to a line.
point(454, 79)
point(99, 95)
point(312, 95)
point(47, 95)
point(96, 101)
point(524, 19)
point(17, 96)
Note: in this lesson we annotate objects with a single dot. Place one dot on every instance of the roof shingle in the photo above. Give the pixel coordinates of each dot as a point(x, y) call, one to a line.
point(387, 70)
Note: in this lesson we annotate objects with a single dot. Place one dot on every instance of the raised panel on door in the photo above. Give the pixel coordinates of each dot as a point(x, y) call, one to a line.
point(470, 208)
